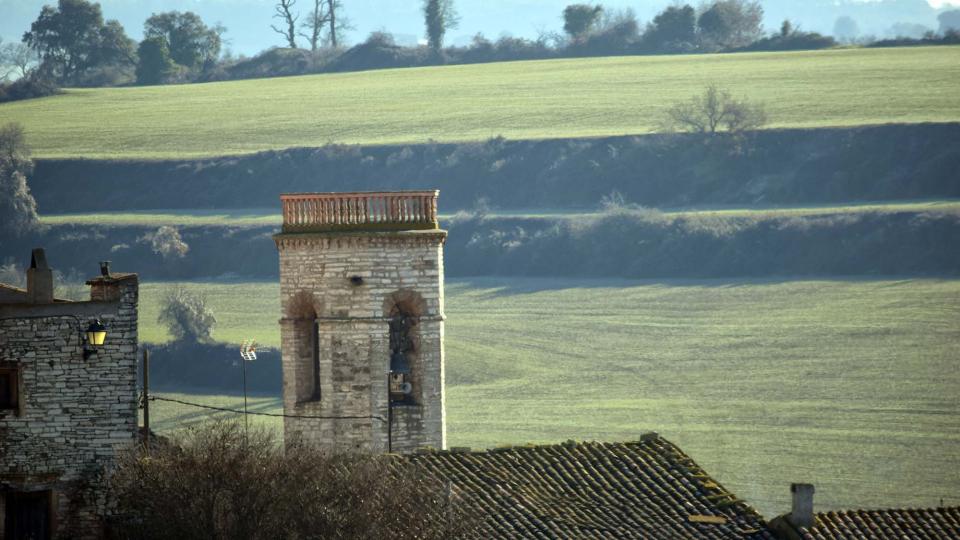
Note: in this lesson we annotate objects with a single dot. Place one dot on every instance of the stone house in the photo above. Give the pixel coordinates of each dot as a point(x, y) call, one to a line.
point(66, 403)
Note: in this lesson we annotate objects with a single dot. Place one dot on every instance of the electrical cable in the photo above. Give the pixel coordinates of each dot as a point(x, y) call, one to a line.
point(236, 411)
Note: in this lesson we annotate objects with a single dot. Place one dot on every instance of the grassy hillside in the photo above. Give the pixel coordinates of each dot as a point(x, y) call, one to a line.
point(518, 100)
point(851, 385)
point(271, 216)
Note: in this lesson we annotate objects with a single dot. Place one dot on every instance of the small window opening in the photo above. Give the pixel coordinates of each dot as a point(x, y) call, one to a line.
point(9, 388)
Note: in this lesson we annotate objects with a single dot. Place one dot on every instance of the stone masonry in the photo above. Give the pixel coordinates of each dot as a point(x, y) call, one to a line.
point(341, 284)
point(72, 413)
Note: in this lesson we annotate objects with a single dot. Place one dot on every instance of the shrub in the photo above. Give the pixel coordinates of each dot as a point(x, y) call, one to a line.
point(17, 205)
point(791, 39)
point(187, 316)
point(167, 243)
point(715, 111)
point(616, 34)
point(155, 65)
point(219, 482)
point(34, 85)
point(275, 62)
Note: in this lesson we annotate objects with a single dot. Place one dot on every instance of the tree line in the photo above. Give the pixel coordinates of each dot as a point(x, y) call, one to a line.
point(71, 44)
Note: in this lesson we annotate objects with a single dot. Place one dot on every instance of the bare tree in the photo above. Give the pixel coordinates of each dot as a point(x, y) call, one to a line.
point(16, 59)
point(6, 69)
point(324, 24)
point(715, 111)
point(332, 6)
point(315, 23)
point(282, 12)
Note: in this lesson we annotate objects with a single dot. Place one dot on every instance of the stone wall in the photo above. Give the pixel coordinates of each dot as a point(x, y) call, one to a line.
point(347, 283)
point(75, 413)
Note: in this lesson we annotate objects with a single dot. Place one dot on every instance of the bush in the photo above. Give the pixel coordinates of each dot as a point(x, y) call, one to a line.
point(379, 52)
point(155, 65)
point(950, 37)
point(617, 34)
point(33, 85)
point(275, 62)
point(108, 75)
point(714, 112)
point(218, 482)
point(167, 243)
point(791, 39)
point(17, 205)
point(187, 316)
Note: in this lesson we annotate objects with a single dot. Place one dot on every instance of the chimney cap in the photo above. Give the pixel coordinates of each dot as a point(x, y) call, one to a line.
point(38, 259)
point(802, 487)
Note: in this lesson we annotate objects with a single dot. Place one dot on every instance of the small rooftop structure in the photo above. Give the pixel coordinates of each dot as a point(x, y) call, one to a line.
point(802, 523)
point(359, 211)
point(892, 524)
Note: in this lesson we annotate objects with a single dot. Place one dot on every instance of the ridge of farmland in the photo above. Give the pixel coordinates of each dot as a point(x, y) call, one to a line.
point(518, 100)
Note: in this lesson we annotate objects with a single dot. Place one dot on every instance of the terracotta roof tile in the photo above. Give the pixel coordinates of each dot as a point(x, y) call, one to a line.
point(645, 489)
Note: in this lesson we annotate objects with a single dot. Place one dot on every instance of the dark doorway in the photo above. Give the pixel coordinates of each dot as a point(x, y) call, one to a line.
point(27, 515)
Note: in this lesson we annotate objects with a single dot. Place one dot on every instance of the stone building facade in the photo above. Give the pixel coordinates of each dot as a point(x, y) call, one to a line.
point(361, 285)
point(66, 406)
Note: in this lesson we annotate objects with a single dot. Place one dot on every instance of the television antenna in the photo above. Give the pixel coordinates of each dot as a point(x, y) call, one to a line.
point(248, 352)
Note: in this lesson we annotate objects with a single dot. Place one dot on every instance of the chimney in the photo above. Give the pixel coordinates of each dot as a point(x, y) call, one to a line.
point(39, 279)
point(105, 268)
point(801, 514)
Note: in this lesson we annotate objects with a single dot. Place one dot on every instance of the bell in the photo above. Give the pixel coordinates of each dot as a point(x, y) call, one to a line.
point(398, 363)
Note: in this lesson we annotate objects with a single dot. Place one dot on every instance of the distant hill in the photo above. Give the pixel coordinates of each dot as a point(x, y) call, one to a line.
point(517, 100)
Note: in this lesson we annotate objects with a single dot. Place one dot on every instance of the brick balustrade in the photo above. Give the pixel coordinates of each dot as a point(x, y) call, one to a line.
point(372, 211)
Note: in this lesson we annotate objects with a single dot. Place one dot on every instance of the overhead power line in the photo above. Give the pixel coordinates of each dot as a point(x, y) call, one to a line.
point(237, 411)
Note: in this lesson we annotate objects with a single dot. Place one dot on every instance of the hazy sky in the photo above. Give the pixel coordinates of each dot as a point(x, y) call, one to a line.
point(248, 21)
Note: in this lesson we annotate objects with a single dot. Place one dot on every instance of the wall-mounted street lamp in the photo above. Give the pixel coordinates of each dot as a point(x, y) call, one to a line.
point(95, 335)
point(90, 339)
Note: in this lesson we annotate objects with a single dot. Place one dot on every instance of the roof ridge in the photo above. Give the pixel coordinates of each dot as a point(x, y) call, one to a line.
point(11, 287)
point(893, 509)
point(645, 439)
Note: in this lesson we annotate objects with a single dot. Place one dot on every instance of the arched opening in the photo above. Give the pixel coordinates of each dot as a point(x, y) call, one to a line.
point(403, 310)
point(302, 310)
point(402, 351)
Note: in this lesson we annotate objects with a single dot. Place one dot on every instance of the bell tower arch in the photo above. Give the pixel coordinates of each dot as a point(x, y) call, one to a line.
point(361, 285)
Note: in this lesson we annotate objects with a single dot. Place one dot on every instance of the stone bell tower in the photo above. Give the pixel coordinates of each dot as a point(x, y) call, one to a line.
point(361, 287)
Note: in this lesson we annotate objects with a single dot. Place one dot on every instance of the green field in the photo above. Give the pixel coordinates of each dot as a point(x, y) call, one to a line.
point(518, 100)
point(850, 384)
point(271, 216)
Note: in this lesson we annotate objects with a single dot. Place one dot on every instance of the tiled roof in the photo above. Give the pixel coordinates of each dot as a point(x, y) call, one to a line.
point(933, 523)
point(645, 489)
point(11, 294)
